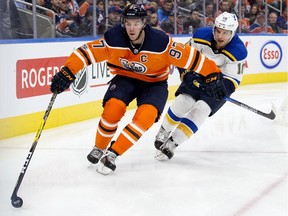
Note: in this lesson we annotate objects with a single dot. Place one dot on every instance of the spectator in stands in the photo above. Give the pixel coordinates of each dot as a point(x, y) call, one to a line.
point(169, 25)
point(259, 25)
point(100, 4)
point(80, 2)
point(154, 4)
point(86, 26)
point(223, 6)
point(184, 3)
point(114, 13)
point(244, 21)
point(253, 13)
point(236, 6)
point(72, 11)
point(196, 4)
point(209, 13)
point(282, 20)
point(115, 3)
point(165, 11)
point(122, 4)
point(9, 20)
point(246, 8)
point(154, 22)
point(275, 5)
point(260, 5)
point(149, 10)
point(272, 20)
point(40, 3)
point(62, 24)
point(193, 22)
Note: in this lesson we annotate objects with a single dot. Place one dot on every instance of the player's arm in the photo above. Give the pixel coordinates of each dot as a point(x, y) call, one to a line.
point(225, 83)
point(80, 58)
point(187, 57)
point(212, 83)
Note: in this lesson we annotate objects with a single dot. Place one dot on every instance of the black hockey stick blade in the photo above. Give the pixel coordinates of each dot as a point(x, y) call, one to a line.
point(271, 115)
point(16, 201)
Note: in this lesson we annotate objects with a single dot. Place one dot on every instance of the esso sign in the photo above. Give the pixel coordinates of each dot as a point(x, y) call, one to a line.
point(271, 54)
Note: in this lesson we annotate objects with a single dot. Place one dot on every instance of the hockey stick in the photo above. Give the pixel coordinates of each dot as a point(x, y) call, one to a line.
point(16, 201)
point(270, 115)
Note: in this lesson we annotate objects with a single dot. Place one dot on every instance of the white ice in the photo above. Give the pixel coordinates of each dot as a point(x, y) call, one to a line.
point(235, 166)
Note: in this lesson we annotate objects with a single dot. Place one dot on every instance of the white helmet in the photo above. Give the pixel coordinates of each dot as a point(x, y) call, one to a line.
point(227, 21)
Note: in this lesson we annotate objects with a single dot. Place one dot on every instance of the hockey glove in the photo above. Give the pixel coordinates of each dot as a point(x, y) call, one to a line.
point(214, 86)
point(62, 80)
point(193, 80)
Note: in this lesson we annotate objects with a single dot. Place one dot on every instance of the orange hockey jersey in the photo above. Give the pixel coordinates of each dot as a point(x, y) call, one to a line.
point(151, 63)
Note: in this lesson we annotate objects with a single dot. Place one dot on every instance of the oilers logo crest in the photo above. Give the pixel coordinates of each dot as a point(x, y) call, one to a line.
point(79, 86)
point(133, 66)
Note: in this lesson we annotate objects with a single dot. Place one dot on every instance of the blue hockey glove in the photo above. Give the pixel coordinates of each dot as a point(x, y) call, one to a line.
point(62, 80)
point(214, 86)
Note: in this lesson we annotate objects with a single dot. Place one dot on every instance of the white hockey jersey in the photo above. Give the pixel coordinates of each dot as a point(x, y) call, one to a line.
point(230, 59)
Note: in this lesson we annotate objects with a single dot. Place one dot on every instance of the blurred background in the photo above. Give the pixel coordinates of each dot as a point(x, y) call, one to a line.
point(26, 19)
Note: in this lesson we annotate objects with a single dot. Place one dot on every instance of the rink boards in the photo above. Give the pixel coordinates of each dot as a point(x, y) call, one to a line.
point(27, 68)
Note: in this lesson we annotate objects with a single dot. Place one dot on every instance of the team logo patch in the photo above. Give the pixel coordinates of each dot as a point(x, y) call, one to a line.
point(133, 66)
point(112, 87)
point(79, 86)
point(85, 47)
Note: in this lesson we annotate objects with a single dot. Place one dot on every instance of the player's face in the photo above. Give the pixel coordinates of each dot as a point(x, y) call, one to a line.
point(222, 37)
point(133, 28)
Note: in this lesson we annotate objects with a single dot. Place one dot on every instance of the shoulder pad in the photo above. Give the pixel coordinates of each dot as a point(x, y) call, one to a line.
point(203, 36)
point(155, 40)
point(119, 41)
point(235, 50)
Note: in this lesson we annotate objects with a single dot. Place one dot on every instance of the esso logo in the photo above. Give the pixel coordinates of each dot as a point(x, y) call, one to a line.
point(271, 54)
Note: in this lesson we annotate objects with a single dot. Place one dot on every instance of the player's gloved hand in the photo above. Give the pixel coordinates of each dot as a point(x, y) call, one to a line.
point(214, 86)
point(62, 80)
point(192, 79)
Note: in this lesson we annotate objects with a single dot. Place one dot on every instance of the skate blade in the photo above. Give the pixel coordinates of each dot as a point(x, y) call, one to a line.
point(160, 156)
point(103, 169)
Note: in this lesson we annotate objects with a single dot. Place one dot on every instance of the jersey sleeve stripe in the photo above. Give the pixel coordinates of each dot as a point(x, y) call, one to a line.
point(85, 55)
point(229, 55)
point(205, 42)
point(235, 82)
point(91, 56)
point(200, 65)
point(196, 59)
point(80, 57)
point(189, 59)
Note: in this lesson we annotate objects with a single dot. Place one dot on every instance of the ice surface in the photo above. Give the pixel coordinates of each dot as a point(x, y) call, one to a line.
point(236, 165)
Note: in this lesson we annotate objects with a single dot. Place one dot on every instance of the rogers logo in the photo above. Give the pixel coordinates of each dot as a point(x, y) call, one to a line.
point(271, 54)
point(33, 76)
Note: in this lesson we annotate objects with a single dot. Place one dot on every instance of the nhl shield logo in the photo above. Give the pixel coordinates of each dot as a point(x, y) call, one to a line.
point(79, 86)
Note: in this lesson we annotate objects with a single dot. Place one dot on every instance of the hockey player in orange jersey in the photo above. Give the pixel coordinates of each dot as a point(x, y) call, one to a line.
point(139, 57)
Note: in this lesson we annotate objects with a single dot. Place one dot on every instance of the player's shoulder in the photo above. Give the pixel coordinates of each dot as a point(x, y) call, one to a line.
point(236, 49)
point(203, 36)
point(155, 40)
point(115, 37)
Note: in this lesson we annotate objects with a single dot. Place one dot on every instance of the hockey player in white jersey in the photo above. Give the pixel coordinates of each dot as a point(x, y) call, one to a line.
point(199, 97)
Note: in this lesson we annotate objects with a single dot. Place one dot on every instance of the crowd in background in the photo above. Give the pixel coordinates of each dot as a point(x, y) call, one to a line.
point(74, 18)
